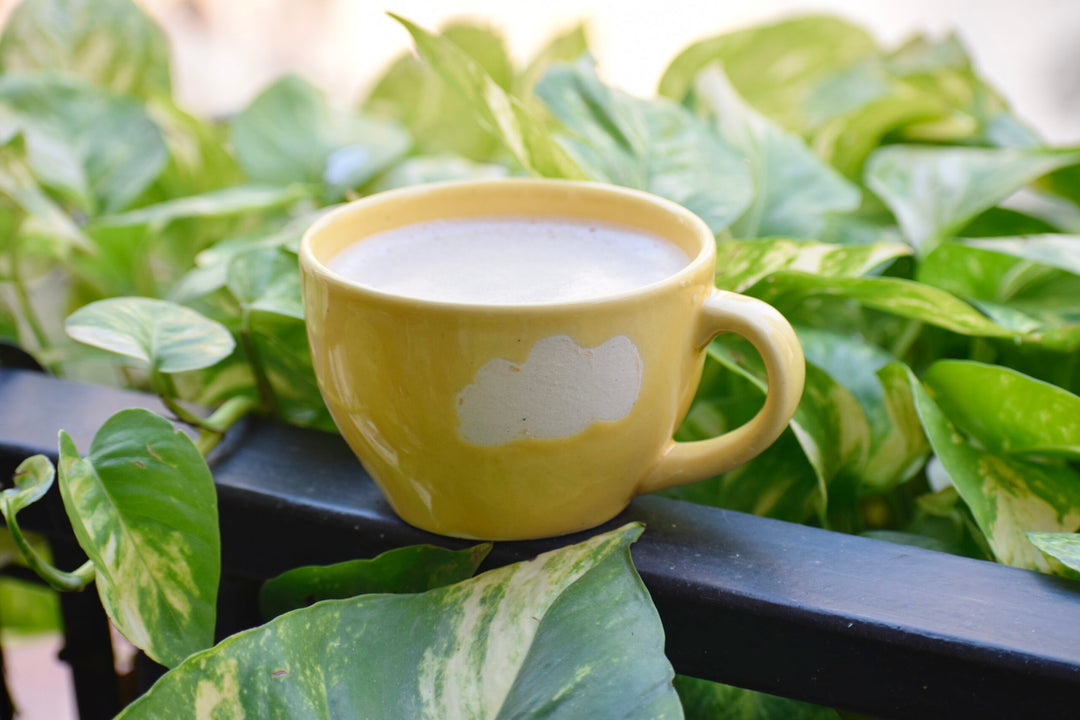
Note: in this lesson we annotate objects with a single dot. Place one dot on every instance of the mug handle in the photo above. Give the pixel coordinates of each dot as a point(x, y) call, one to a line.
point(771, 334)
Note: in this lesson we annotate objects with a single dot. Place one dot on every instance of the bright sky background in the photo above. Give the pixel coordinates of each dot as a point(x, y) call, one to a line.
point(225, 50)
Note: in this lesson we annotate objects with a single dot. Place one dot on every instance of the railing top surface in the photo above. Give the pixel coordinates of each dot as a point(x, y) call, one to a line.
point(844, 607)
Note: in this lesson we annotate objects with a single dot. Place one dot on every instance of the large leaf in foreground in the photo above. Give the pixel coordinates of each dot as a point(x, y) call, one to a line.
point(795, 192)
point(169, 337)
point(109, 43)
point(290, 134)
point(144, 508)
point(99, 151)
point(497, 111)
point(412, 569)
point(1007, 496)
point(571, 634)
point(652, 145)
point(935, 191)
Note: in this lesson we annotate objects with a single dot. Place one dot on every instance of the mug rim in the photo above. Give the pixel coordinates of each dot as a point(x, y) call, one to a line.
point(706, 254)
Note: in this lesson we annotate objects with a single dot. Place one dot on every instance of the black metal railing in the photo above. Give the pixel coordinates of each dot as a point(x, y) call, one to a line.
point(863, 625)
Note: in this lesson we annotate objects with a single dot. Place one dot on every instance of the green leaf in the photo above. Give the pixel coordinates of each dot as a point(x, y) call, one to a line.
point(896, 296)
point(1007, 496)
point(501, 114)
point(740, 264)
point(565, 47)
point(1063, 547)
point(280, 340)
point(571, 634)
point(1060, 251)
point(934, 192)
point(795, 192)
point(46, 230)
point(439, 119)
point(774, 67)
point(706, 700)
point(236, 200)
point(289, 134)
point(33, 478)
point(830, 426)
point(169, 337)
point(199, 157)
point(266, 279)
point(144, 509)
point(650, 145)
point(97, 151)
point(897, 446)
point(109, 43)
point(412, 569)
point(1008, 412)
point(436, 168)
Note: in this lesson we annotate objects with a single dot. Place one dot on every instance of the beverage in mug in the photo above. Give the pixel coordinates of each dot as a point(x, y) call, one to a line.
point(509, 260)
point(510, 358)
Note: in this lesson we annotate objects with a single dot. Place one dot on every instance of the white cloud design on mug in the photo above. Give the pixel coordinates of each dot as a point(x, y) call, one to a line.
point(559, 391)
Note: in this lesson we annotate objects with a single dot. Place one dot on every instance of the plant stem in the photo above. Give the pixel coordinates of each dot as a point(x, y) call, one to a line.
point(56, 578)
point(907, 338)
point(221, 420)
point(262, 384)
point(165, 389)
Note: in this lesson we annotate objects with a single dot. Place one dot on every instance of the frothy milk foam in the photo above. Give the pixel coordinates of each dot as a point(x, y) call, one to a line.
point(509, 260)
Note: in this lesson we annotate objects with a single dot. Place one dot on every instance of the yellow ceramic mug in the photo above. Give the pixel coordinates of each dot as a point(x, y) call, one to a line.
point(394, 371)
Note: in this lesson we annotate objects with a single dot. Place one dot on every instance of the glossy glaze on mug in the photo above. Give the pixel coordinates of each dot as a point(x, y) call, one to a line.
point(399, 375)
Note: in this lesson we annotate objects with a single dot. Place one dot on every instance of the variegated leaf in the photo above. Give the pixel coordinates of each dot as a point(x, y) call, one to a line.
point(742, 263)
point(144, 509)
point(571, 634)
point(1007, 496)
point(1063, 547)
point(169, 337)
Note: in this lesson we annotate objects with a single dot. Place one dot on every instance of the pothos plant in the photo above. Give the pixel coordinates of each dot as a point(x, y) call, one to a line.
point(888, 202)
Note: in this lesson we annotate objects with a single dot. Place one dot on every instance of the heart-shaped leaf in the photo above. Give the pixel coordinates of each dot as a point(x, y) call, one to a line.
point(652, 145)
point(109, 43)
point(571, 634)
point(412, 569)
point(1008, 497)
point(795, 192)
point(934, 192)
point(266, 279)
point(144, 509)
point(775, 66)
point(169, 337)
point(98, 151)
point(289, 134)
